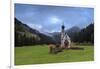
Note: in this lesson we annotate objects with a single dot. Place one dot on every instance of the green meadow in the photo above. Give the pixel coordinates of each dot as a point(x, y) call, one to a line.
point(39, 54)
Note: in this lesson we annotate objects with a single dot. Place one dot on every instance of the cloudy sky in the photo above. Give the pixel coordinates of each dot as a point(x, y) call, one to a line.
point(50, 18)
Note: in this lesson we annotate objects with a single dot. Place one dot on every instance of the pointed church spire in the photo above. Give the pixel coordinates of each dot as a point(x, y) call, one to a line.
point(62, 35)
point(63, 25)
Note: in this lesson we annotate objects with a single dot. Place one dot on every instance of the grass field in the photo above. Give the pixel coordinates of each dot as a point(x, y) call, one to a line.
point(40, 54)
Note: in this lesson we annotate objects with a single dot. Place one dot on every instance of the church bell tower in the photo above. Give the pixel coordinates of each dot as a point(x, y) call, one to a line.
point(62, 35)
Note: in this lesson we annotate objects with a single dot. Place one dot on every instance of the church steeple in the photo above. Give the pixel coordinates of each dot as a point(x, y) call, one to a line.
point(63, 26)
point(64, 37)
point(62, 34)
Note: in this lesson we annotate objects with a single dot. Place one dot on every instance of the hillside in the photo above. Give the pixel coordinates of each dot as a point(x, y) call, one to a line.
point(70, 32)
point(78, 35)
point(24, 35)
point(86, 34)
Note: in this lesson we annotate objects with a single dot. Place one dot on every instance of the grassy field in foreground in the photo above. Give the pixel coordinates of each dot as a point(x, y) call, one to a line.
point(40, 54)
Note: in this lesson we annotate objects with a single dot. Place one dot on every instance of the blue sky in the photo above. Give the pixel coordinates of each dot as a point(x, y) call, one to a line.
point(50, 18)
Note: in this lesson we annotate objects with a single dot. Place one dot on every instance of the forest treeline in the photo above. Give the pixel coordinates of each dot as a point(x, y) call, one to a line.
point(24, 35)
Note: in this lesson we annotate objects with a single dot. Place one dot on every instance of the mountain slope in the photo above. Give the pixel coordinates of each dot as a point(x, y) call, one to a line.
point(78, 35)
point(73, 29)
point(70, 32)
point(24, 35)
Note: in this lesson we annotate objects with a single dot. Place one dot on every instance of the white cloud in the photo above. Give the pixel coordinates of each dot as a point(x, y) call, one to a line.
point(54, 20)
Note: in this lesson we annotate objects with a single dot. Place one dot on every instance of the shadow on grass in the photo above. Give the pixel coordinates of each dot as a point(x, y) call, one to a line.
point(76, 48)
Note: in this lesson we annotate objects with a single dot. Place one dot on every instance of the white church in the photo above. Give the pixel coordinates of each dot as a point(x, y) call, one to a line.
point(65, 39)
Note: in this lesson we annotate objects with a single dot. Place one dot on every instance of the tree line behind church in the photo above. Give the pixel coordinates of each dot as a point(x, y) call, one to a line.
point(24, 35)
